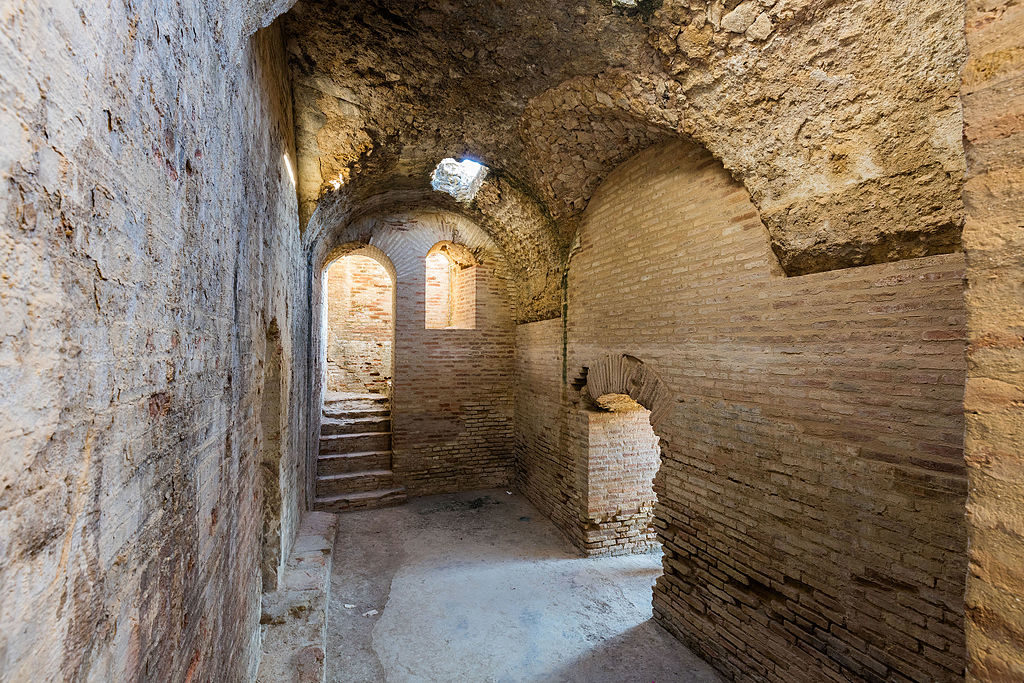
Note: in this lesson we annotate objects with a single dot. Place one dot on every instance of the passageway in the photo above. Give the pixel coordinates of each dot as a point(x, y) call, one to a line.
point(266, 265)
point(479, 586)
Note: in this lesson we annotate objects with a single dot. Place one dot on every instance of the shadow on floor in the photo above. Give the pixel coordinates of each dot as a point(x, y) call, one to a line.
point(636, 655)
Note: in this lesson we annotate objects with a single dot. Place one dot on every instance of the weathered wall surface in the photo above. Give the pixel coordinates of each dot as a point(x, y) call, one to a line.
point(360, 326)
point(452, 396)
point(148, 238)
point(993, 94)
point(842, 119)
point(813, 478)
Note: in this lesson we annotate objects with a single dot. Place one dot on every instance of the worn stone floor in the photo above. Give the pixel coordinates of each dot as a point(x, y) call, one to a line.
point(481, 587)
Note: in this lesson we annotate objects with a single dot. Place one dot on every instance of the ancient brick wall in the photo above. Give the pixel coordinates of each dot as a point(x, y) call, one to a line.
point(464, 298)
point(148, 244)
point(360, 325)
point(452, 397)
point(812, 491)
point(993, 99)
point(622, 459)
point(588, 470)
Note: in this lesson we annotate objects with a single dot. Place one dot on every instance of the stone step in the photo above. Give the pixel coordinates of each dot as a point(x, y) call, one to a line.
point(358, 425)
point(342, 463)
point(355, 443)
point(354, 482)
point(356, 402)
point(351, 413)
point(361, 501)
point(336, 396)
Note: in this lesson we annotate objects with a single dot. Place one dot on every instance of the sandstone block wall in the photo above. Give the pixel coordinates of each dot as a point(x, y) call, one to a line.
point(360, 326)
point(993, 100)
point(148, 242)
point(812, 488)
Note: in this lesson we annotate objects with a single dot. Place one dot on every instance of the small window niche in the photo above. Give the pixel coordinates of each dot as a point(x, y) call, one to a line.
point(450, 287)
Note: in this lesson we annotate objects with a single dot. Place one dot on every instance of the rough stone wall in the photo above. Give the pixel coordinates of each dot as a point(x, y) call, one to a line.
point(148, 239)
point(360, 326)
point(993, 96)
point(452, 400)
point(622, 457)
point(842, 119)
point(811, 498)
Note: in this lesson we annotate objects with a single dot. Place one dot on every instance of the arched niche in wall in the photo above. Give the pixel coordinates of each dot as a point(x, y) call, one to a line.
point(450, 287)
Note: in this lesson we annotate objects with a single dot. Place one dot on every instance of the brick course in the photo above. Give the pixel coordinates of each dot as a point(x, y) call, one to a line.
point(623, 456)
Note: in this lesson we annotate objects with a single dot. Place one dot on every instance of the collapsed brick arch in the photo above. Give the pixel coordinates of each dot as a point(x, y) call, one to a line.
point(618, 443)
point(625, 374)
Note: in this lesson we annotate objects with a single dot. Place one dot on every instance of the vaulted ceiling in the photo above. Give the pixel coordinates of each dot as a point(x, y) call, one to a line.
point(842, 119)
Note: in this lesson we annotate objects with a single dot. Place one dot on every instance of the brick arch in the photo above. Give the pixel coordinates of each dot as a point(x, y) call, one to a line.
point(625, 374)
point(360, 249)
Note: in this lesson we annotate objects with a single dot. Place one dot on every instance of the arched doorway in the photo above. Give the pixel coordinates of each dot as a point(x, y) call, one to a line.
point(354, 458)
point(360, 325)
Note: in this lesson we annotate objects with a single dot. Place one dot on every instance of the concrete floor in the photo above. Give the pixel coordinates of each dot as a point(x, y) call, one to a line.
point(481, 587)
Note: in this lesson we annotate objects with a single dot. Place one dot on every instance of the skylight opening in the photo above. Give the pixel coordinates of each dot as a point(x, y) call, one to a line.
point(460, 179)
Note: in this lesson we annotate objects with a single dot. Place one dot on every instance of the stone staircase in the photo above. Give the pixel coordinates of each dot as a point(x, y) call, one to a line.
point(353, 470)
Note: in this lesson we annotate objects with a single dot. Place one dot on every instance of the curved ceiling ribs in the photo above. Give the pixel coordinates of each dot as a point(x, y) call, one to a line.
point(826, 116)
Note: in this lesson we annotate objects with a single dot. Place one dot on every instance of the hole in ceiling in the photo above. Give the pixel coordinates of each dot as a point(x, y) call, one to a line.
point(460, 179)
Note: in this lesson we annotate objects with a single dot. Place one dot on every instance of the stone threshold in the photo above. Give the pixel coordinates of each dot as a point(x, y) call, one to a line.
point(294, 619)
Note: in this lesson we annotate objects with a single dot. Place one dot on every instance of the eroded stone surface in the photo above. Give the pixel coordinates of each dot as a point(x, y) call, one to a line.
point(148, 239)
point(994, 401)
point(294, 616)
